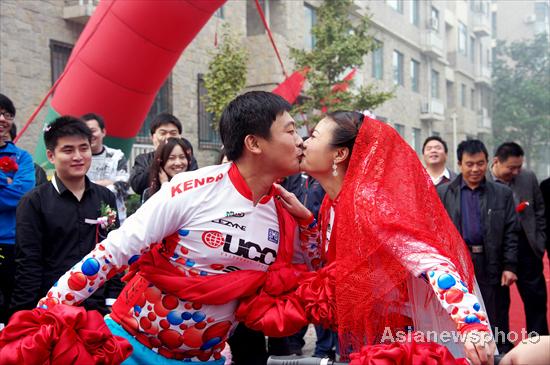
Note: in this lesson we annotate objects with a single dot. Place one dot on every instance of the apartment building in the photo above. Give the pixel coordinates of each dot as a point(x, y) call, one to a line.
point(436, 54)
point(517, 21)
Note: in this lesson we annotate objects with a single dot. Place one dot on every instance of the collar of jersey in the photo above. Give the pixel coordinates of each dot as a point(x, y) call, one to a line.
point(241, 186)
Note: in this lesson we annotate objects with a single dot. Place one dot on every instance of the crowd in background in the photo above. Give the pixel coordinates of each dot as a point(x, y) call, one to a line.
point(48, 225)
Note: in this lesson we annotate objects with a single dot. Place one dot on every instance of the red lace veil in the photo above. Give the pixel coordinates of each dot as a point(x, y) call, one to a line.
point(387, 208)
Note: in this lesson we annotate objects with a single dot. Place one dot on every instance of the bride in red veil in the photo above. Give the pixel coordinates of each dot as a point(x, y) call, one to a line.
point(397, 259)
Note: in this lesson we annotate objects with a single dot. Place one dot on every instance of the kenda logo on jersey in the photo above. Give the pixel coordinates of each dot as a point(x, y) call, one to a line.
point(192, 184)
point(246, 249)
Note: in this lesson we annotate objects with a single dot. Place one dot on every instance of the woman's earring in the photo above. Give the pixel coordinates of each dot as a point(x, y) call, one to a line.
point(334, 171)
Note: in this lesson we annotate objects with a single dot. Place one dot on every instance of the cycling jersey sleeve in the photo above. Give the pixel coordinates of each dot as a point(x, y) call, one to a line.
point(163, 214)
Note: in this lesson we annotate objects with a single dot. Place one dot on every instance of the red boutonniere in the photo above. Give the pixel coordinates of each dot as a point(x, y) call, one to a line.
point(521, 206)
point(8, 164)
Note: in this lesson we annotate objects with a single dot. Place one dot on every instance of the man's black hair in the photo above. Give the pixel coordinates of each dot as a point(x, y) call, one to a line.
point(94, 116)
point(165, 118)
point(471, 147)
point(65, 126)
point(7, 104)
point(438, 139)
point(508, 149)
point(251, 113)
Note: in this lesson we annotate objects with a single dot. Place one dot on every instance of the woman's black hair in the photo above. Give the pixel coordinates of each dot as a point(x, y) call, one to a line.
point(161, 157)
point(347, 127)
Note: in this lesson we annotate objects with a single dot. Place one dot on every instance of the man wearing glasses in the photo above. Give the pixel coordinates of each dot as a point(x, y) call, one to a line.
point(16, 178)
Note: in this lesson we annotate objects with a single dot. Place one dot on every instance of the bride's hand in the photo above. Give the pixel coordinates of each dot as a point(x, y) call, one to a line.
point(294, 206)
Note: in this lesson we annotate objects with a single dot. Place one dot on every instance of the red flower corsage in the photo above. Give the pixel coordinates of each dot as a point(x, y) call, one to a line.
point(521, 206)
point(8, 164)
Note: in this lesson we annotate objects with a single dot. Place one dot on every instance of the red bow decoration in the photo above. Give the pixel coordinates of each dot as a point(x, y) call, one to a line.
point(61, 335)
point(405, 353)
point(8, 164)
point(317, 294)
point(521, 206)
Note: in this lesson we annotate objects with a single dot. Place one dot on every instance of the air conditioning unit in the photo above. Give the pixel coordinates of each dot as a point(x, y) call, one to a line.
point(529, 19)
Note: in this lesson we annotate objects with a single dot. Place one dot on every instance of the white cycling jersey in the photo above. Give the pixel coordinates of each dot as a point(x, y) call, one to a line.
point(220, 230)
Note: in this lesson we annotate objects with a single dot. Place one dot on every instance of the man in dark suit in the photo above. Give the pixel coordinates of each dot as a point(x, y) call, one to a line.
point(507, 169)
point(483, 212)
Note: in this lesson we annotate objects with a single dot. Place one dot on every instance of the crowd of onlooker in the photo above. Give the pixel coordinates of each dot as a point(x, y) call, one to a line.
point(47, 225)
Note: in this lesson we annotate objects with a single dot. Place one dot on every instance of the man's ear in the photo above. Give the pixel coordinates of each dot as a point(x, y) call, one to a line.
point(252, 144)
point(50, 156)
point(495, 160)
point(341, 154)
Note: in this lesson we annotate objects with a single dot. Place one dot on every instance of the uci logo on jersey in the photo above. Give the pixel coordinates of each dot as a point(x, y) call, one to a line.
point(273, 236)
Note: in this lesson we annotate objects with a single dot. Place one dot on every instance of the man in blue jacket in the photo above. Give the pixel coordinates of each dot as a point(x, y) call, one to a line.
point(16, 178)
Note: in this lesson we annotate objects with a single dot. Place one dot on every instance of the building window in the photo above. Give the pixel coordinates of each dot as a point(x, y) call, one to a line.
point(400, 128)
point(209, 138)
point(462, 38)
point(397, 5)
point(494, 24)
point(416, 140)
point(59, 53)
point(434, 19)
point(273, 13)
point(472, 99)
point(311, 19)
point(435, 84)
point(415, 12)
point(161, 104)
point(415, 73)
point(398, 68)
point(378, 61)
point(463, 95)
point(472, 49)
point(220, 13)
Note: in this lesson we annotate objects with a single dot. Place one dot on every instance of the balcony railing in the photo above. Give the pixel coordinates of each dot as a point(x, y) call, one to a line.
point(461, 62)
point(432, 109)
point(432, 44)
point(482, 24)
point(483, 119)
point(483, 75)
point(79, 11)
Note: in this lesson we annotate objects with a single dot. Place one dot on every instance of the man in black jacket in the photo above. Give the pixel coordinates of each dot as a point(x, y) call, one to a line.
point(164, 126)
point(507, 169)
point(483, 212)
point(57, 223)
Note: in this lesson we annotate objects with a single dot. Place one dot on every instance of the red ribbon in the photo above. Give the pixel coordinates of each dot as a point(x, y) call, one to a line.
point(405, 353)
point(61, 335)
